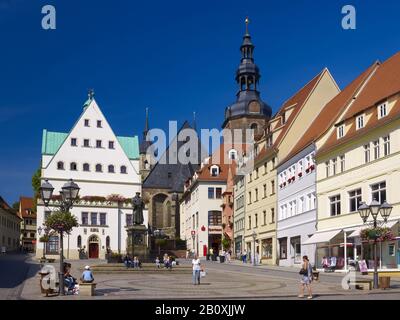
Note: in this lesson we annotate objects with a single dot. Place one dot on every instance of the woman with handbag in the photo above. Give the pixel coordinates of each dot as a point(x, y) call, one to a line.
point(196, 270)
point(306, 274)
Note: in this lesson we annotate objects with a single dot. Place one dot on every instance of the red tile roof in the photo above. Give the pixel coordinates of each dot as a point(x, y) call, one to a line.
point(26, 204)
point(328, 115)
point(383, 84)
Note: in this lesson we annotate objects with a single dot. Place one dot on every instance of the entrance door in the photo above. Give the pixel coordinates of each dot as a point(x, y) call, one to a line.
point(93, 250)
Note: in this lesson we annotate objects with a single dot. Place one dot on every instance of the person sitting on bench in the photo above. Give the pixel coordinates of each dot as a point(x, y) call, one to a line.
point(87, 275)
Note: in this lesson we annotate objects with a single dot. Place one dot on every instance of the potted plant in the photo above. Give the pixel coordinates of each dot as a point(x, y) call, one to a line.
point(300, 174)
point(377, 234)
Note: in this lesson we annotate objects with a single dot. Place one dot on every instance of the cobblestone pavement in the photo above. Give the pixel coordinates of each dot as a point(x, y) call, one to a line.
point(223, 281)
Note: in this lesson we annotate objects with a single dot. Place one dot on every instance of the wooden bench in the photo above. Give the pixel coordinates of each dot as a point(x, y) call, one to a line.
point(87, 289)
point(362, 284)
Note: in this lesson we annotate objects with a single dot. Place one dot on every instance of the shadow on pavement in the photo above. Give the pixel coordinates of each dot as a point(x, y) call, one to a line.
point(15, 268)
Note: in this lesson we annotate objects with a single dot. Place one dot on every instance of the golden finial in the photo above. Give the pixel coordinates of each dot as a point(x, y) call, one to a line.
point(247, 24)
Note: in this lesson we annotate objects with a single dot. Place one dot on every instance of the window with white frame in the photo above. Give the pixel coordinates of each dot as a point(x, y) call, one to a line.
point(300, 167)
point(379, 192)
point(376, 149)
point(382, 110)
point(335, 206)
point(360, 122)
point(313, 201)
point(386, 146)
point(342, 163)
point(214, 170)
point(354, 200)
point(340, 131)
point(301, 205)
point(327, 169)
point(334, 166)
point(308, 202)
point(367, 153)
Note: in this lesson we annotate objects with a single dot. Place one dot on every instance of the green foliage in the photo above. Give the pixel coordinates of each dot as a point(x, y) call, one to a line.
point(61, 222)
point(45, 238)
point(36, 186)
point(161, 242)
point(15, 206)
point(379, 234)
point(226, 243)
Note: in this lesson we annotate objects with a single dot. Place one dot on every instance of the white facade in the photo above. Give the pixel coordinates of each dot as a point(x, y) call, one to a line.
point(102, 164)
point(195, 210)
point(297, 208)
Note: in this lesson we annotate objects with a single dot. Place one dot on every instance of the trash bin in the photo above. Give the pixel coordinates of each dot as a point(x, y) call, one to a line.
point(384, 282)
point(222, 259)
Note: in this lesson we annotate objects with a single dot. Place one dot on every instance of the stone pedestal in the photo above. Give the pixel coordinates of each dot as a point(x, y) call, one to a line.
point(137, 244)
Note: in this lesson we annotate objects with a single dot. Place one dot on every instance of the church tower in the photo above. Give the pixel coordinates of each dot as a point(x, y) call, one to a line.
point(145, 164)
point(249, 111)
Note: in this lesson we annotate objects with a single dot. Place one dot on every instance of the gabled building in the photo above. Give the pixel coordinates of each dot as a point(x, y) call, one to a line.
point(358, 160)
point(10, 224)
point(106, 168)
point(297, 200)
point(28, 236)
point(205, 198)
point(282, 134)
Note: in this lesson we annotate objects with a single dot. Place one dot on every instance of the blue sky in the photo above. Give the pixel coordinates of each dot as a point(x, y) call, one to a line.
point(174, 57)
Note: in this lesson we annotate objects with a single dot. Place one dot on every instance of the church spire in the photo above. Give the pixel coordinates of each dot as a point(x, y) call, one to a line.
point(145, 144)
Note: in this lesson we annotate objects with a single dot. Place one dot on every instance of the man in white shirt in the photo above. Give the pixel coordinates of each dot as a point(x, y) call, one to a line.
point(196, 269)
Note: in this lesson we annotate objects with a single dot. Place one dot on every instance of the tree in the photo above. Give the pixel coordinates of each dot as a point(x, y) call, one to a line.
point(36, 182)
point(61, 222)
point(16, 206)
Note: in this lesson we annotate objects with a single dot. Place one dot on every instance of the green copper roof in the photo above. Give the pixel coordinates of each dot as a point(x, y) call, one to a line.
point(130, 146)
point(52, 141)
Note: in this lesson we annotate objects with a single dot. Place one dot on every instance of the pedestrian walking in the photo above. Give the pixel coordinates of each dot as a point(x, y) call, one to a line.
point(306, 278)
point(244, 256)
point(196, 270)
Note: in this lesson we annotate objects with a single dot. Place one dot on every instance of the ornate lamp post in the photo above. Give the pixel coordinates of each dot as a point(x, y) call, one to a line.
point(69, 193)
point(254, 235)
point(374, 209)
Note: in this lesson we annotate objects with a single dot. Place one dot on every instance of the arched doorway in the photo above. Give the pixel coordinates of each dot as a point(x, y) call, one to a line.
point(93, 247)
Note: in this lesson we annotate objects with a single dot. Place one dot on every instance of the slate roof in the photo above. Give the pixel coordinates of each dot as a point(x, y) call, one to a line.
point(168, 175)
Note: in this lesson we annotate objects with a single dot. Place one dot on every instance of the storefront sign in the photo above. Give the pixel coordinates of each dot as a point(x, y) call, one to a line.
point(214, 230)
point(363, 266)
point(94, 230)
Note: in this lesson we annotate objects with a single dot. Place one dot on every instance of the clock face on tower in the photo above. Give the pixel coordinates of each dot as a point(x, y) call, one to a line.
point(254, 107)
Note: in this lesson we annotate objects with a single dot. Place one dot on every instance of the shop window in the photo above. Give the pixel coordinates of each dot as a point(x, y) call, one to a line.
point(283, 248)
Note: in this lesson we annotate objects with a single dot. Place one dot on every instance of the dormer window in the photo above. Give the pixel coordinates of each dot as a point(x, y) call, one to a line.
point(214, 170)
point(340, 131)
point(382, 110)
point(360, 122)
point(233, 154)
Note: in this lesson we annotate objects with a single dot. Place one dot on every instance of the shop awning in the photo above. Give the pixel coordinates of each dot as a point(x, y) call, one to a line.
point(356, 233)
point(322, 237)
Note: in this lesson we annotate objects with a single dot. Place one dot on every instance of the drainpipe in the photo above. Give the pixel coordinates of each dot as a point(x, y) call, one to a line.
point(119, 228)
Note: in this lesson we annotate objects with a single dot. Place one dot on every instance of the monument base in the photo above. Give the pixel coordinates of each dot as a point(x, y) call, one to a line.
point(137, 244)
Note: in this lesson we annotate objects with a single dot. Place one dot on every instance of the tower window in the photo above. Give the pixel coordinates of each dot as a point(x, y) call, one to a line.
point(123, 169)
point(87, 123)
point(99, 168)
point(111, 169)
point(111, 145)
point(60, 165)
point(99, 125)
point(73, 142)
point(86, 167)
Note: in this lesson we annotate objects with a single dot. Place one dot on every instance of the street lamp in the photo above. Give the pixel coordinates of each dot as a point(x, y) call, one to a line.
point(69, 193)
point(254, 235)
point(374, 209)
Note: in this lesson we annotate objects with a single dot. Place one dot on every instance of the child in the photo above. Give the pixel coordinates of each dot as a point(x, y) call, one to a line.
point(158, 263)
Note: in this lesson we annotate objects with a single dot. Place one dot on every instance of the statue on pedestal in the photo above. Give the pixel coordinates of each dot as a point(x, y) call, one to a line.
point(138, 206)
